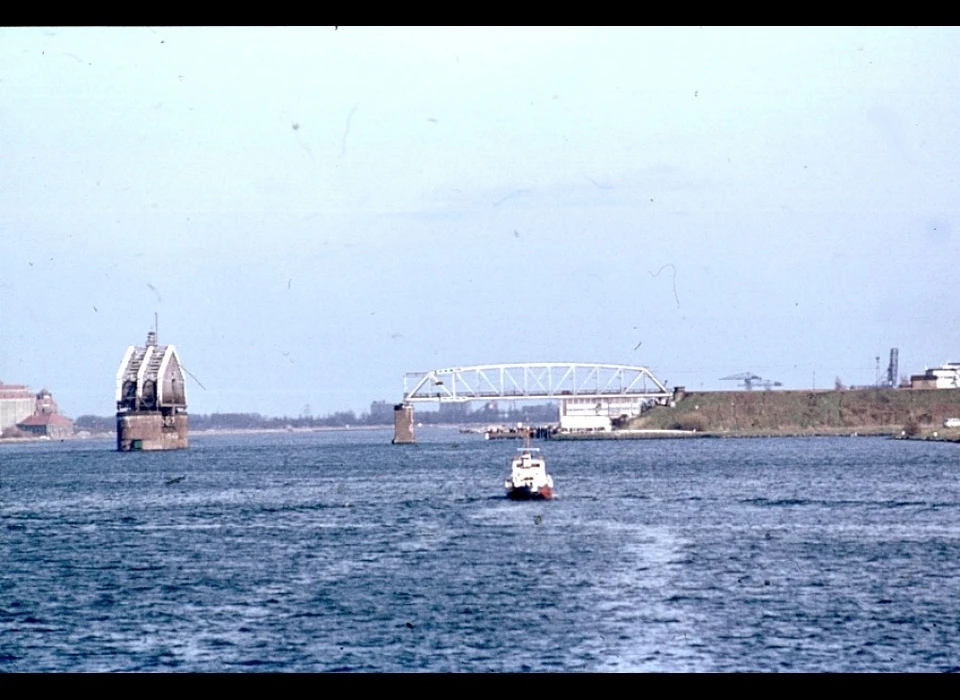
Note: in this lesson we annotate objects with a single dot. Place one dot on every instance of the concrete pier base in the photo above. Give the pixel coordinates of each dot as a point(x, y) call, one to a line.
point(403, 425)
point(151, 430)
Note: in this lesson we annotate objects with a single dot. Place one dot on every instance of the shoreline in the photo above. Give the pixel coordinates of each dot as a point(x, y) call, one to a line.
point(930, 435)
point(927, 435)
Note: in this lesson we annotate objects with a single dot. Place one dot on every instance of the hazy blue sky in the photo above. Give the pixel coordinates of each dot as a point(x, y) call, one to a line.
point(313, 212)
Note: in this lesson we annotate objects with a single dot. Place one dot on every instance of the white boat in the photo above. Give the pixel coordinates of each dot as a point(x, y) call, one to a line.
point(528, 475)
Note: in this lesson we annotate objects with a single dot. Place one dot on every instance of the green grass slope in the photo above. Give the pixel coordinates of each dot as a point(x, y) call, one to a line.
point(868, 411)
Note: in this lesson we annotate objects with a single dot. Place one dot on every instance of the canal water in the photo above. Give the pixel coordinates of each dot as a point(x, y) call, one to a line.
point(337, 551)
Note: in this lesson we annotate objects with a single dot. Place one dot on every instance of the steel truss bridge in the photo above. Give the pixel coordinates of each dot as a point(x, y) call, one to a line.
point(532, 380)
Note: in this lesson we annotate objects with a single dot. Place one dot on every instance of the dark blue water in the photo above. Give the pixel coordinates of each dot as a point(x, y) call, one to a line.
point(341, 552)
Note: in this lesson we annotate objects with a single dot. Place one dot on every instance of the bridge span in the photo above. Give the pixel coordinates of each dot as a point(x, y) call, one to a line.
point(590, 394)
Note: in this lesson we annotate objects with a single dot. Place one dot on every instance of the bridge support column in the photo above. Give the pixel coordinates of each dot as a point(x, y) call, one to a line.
point(403, 425)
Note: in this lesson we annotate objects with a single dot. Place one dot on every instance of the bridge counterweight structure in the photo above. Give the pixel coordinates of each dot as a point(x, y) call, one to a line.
point(568, 382)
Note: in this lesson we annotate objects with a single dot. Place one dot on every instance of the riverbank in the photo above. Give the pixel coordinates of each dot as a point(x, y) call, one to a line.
point(929, 433)
point(874, 411)
point(84, 435)
point(942, 435)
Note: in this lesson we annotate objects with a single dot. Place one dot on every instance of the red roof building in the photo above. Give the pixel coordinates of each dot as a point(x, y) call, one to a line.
point(46, 420)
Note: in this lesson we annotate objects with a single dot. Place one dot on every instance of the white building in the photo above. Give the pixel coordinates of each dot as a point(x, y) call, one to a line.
point(16, 403)
point(947, 376)
point(599, 413)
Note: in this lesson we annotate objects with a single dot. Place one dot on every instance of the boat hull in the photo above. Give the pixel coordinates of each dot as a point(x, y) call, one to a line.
point(524, 493)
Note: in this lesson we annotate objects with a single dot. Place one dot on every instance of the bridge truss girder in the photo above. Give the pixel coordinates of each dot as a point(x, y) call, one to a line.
point(532, 380)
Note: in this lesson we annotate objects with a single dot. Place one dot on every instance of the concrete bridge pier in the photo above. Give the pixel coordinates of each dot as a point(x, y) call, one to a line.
point(403, 425)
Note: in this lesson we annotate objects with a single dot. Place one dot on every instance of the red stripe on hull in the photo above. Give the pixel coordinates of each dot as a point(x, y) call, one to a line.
point(525, 494)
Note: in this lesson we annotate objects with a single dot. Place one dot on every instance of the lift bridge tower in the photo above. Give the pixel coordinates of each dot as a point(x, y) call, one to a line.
point(893, 369)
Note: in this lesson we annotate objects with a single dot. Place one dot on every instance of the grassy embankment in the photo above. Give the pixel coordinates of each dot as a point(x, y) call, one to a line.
point(915, 413)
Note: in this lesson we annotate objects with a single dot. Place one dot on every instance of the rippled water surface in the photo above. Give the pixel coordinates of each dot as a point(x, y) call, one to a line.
point(341, 552)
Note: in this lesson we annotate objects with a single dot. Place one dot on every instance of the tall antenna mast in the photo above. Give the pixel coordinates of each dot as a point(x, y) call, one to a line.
point(156, 325)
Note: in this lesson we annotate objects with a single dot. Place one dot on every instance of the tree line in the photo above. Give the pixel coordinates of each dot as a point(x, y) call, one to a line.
point(454, 415)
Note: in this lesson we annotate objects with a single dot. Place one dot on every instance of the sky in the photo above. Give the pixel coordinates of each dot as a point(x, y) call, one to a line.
point(310, 213)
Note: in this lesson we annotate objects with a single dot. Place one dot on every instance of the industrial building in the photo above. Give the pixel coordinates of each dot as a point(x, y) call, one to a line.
point(46, 420)
point(599, 413)
point(36, 414)
point(947, 376)
point(16, 403)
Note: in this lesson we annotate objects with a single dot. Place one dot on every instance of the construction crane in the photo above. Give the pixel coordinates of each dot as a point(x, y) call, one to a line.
point(749, 380)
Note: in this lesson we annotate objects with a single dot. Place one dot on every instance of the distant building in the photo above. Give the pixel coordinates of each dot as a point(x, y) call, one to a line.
point(151, 399)
point(599, 413)
point(452, 412)
point(381, 412)
point(46, 420)
point(16, 403)
point(947, 376)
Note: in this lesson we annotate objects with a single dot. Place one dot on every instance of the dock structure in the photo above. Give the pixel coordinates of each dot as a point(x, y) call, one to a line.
point(151, 399)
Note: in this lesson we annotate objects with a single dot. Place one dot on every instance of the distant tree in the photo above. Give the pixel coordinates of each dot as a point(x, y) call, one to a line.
point(227, 421)
point(838, 384)
point(95, 424)
point(340, 418)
